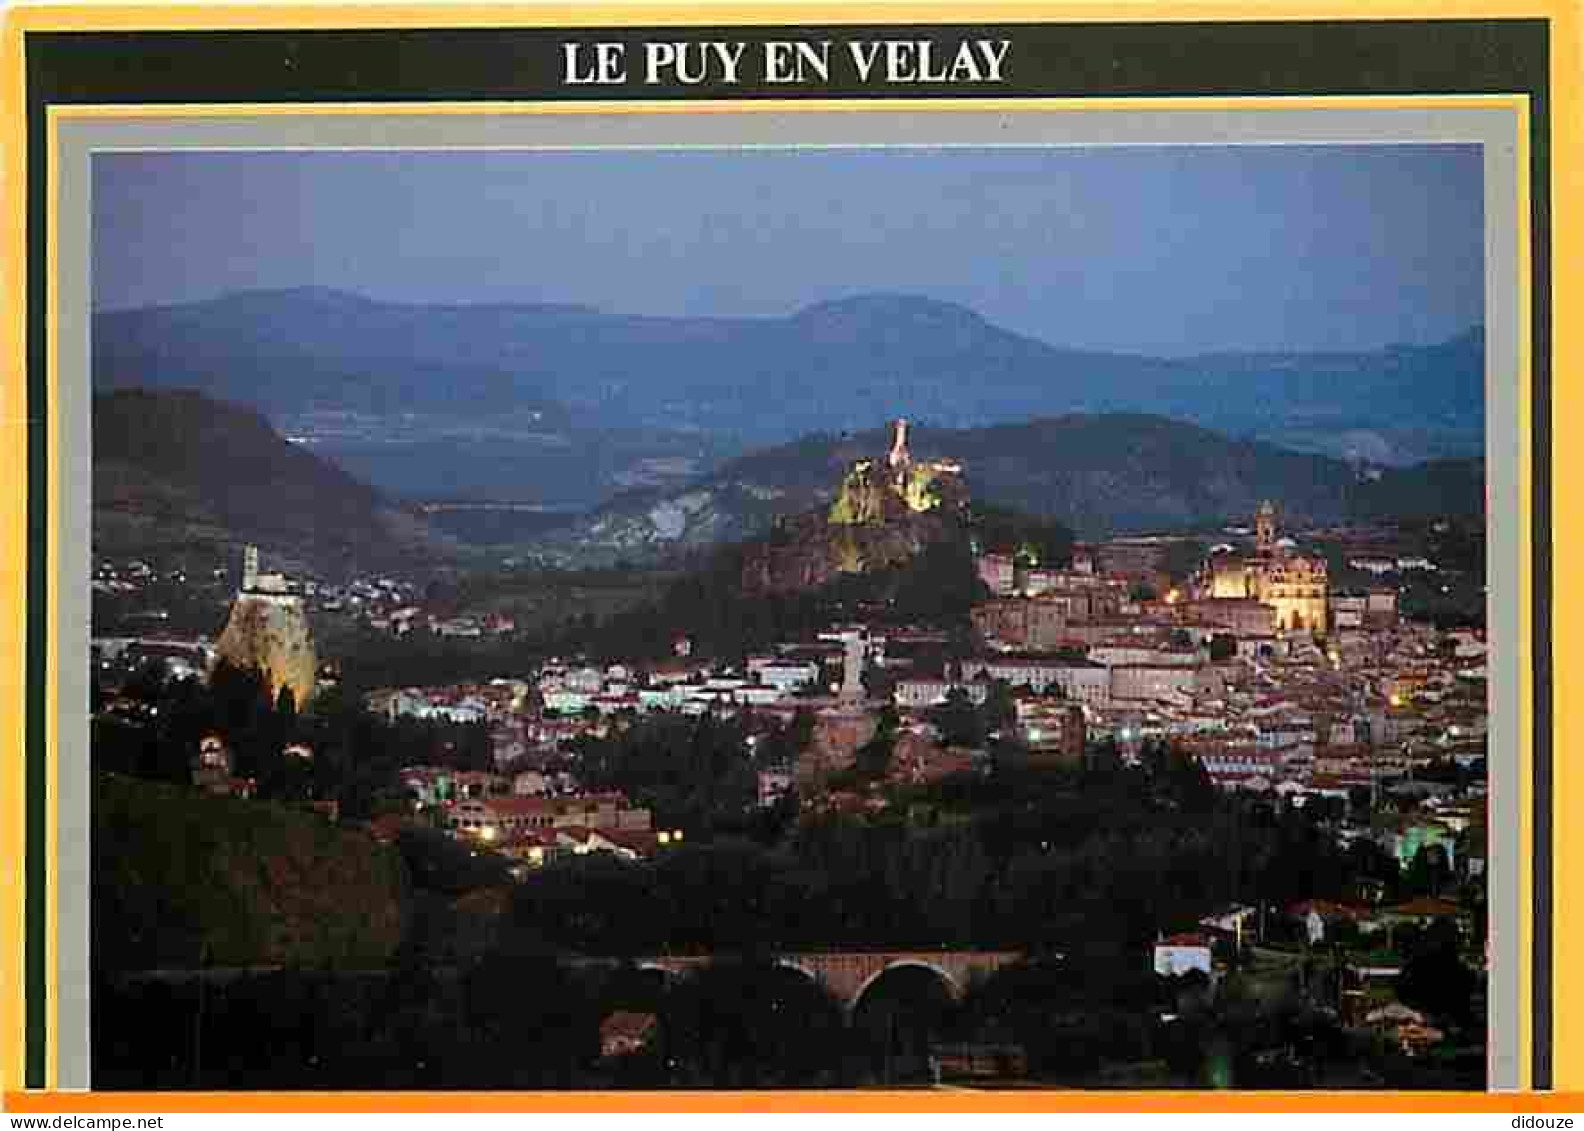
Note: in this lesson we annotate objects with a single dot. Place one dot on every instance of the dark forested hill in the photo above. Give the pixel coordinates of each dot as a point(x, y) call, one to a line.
point(1429, 490)
point(182, 879)
point(178, 469)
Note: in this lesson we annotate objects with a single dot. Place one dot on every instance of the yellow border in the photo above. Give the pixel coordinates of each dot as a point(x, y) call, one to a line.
point(926, 1100)
point(1568, 622)
point(13, 565)
point(221, 17)
point(789, 106)
point(1567, 540)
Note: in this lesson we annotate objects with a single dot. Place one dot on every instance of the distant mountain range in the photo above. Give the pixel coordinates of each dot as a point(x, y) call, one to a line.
point(1099, 475)
point(551, 380)
point(179, 471)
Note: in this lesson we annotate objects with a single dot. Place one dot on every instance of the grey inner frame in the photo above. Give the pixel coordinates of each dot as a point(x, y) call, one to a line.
point(1496, 128)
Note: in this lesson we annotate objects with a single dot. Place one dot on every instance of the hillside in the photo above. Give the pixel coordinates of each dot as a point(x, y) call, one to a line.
point(546, 380)
point(1429, 490)
point(1100, 475)
point(809, 571)
point(179, 470)
point(181, 879)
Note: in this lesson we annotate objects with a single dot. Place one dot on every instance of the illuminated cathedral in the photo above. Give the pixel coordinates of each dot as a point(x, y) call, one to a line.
point(1277, 574)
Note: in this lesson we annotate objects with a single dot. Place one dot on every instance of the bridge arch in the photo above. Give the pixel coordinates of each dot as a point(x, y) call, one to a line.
point(898, 1015)
point(954, 990)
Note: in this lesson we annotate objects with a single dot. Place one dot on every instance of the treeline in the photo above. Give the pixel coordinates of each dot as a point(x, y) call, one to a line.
point(1086, 1019)
point(694, 772)
point(499, 1023)
point(1030, 860)
point(352, 756)
point(377, 659)
point(938, 586)
point(1041, 541)
point(163, 605)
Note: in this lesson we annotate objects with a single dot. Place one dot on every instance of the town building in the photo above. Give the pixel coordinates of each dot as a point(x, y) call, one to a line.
point(1182, 953)
point(1240, 616)
point(1051, 729)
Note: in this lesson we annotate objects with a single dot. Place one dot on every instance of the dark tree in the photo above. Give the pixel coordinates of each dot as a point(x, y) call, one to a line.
point(958, 720)
point(1182, 558)
point(691, 772)
point(753, 1024)
point(530, 1023)
point(286, 709)
point(874, 756)
point(1000, 707)
point(1428, 873)
point(1068, 1014)
point(147, 684)
point(1435, 980)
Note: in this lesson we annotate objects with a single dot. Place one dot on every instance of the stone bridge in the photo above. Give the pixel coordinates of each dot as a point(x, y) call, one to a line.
point(847, 974)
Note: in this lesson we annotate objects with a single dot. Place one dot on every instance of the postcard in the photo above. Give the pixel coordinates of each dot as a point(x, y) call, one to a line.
point(954, 564)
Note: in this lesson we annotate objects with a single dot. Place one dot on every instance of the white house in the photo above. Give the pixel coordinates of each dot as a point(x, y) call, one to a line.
point(1182, 953)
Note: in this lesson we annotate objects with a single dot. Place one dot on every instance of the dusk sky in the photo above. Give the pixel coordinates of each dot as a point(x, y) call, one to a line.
point(1163, 250)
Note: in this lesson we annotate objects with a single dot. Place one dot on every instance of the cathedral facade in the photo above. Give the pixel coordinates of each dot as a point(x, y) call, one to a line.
point(1277, 573)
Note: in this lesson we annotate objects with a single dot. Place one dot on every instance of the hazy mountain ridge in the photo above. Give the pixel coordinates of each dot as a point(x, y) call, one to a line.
point(841, 363)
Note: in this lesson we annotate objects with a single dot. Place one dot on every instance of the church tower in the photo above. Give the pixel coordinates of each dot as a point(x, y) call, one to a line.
point(1265, 528)
point(852, 687)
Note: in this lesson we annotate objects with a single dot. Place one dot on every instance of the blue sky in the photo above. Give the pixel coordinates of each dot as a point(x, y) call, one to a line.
point(1164, 250)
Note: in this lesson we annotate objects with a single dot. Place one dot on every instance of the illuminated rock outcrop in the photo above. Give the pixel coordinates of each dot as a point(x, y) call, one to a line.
point(268, 630)
point(885, 511)
point(875, 492)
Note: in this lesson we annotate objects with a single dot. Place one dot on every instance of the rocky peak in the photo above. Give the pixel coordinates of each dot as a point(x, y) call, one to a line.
point(885, 511)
